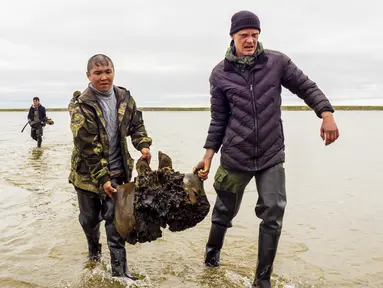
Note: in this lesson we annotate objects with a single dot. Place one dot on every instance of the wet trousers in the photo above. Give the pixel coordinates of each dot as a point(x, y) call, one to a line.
point(93, 210)
point(37, 134)
point(270, 207)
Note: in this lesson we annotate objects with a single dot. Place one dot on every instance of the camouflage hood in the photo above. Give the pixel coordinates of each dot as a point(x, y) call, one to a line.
point(244, 60)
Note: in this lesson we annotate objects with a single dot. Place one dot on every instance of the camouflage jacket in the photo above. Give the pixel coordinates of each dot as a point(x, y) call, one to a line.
point(73, 101)
point(90, 167)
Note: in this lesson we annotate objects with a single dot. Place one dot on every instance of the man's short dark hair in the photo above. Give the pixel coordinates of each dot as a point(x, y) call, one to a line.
point(99, 60)
point(36, 98)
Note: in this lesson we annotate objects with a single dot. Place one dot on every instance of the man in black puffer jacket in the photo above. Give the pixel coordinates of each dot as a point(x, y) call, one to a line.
point(246, 120)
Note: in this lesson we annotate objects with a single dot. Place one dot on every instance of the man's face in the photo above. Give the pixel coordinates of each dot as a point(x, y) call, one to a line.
point(101, 77)
point(36, 103)
point(245, 41)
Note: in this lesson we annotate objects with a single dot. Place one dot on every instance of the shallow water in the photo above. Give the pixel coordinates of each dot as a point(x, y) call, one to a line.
point(332, 234)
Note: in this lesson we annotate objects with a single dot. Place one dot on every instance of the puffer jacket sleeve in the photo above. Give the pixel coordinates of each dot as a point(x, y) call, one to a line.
point(43, 116)
point(86, 138)
point(30, 114)
point(220, 113)
point(136, 129)
point(298, 83)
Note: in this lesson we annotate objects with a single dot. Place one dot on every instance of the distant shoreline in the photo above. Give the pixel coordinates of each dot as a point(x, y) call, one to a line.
point(284, 108)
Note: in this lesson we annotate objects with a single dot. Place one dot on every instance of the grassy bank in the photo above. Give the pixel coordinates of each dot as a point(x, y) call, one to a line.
point(285, 108)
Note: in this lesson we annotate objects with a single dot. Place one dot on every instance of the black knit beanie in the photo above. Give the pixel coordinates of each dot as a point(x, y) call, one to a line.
point(244, 20)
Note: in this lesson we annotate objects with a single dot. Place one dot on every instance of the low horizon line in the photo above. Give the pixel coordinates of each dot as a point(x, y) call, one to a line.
point(202, 108)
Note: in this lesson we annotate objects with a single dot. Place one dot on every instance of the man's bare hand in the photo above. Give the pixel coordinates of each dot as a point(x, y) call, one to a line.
point(108, 189)
point(329, 131)
point(146, 154)
point(203, 166)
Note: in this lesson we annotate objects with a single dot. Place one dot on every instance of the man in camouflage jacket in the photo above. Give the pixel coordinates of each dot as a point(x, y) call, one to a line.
point(101, 119)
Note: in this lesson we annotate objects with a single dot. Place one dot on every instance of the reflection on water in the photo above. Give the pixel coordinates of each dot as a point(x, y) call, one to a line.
point(36, 154)
point(331, 235)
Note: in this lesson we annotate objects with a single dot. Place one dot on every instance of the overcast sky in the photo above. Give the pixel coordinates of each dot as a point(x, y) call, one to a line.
point(164, 51)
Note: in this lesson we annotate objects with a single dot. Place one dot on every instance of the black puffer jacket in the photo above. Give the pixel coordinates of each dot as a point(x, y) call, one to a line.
point(246, 111)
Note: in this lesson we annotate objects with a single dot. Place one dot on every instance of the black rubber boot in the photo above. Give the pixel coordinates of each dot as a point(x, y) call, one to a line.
point(90, 206)
point(267, 249)
point(116, 243)
point(214, 245)
point(94, 252)
point(119, 265)
point(39, 136)
point(94, 247)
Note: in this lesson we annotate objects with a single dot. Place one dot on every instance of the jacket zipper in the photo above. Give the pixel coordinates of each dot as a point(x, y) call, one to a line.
point(254, 110)
point(255, 116)
point(255, 126)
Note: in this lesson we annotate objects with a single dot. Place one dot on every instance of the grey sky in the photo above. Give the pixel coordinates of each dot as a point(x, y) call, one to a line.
point(163, 51)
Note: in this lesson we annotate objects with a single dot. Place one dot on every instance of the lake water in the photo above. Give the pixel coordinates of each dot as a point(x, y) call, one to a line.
point(332, 234)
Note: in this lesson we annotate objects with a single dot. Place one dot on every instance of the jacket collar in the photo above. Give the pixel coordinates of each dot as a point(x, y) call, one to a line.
point(89, 97)
point(259, 63)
